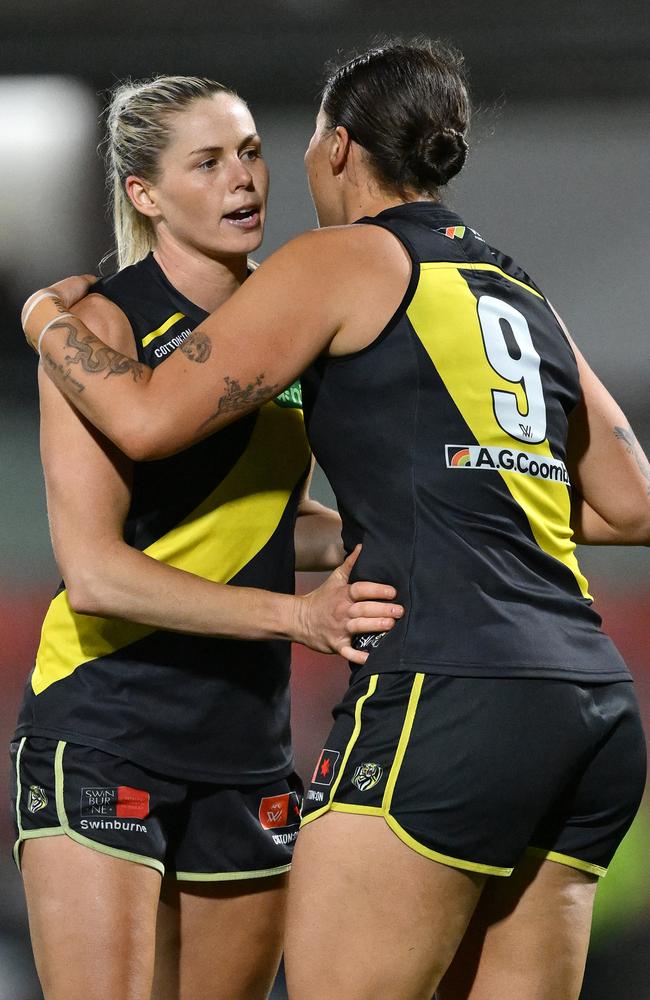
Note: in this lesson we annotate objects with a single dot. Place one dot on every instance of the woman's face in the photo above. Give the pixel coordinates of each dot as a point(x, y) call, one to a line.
point(213, 183)
point(323, 190)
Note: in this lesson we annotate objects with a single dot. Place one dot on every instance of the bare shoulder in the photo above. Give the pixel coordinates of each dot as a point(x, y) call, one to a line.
point(107, 321)
point(338, 248)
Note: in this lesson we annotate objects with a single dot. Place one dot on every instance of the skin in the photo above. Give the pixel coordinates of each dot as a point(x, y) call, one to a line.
point(352, 879)
point(217, 939)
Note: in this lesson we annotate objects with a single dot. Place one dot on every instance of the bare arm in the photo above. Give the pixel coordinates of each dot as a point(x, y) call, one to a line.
point(305, 299)
point(318, 541)
point(88, 490)
point(609, 470)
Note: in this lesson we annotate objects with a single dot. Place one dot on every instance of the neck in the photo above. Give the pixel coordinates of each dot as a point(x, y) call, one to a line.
point(202, 280)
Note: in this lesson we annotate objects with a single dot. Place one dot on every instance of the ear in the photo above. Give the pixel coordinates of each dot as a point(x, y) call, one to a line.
point(339, 149)
point(142, 196)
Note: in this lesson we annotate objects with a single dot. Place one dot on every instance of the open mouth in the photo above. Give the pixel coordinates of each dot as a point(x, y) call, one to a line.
point(244, 218)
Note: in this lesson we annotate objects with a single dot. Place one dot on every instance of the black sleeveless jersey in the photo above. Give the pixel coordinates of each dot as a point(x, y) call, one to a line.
point(189, 706)
point(453, 474)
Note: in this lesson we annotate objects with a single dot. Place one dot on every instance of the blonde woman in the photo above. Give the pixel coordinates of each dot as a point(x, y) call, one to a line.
point(143, 752)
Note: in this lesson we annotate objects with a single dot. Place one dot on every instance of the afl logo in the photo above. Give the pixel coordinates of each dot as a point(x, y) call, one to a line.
point(366, 776)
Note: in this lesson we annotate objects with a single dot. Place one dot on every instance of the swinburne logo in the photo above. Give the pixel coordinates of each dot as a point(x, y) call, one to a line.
point(475, 456)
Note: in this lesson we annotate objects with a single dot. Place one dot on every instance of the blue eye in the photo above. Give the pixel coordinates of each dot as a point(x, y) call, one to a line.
point(251, 154)
point(208, 164)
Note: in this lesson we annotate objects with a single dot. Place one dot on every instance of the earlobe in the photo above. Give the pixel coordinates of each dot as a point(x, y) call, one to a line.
point(141, 196)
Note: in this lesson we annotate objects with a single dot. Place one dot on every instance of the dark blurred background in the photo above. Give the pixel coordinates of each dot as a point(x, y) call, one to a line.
point(558, 176)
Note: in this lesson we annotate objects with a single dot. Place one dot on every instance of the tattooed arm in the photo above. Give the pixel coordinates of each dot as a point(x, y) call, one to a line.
point(318, 293)
point(88, 484)
point(609, 471)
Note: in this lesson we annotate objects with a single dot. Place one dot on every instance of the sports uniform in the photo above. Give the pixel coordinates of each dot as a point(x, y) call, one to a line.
point(497, 697)
point(149, 744)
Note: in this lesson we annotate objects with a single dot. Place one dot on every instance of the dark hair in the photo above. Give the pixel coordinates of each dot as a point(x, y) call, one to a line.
point(407, 104)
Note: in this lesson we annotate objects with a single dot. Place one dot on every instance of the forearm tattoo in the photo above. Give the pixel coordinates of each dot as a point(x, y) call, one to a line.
point(97, 359)
point(62, 377)
point(237, 399)
point(197, 347)
point(633, 448)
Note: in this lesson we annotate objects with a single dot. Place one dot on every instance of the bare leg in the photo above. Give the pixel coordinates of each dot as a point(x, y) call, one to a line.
point(219, 940)
point(92, 920)
point(528, 937)
point(369, 918)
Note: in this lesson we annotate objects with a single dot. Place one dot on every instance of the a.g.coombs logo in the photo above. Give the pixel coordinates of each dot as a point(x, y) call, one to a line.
point(484, 458)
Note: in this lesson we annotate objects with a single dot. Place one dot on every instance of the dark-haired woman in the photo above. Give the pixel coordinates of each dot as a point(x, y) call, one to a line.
point(488, 756)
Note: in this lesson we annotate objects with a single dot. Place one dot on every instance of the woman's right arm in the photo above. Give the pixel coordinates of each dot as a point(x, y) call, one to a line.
point(88, 483)
point(609, 471)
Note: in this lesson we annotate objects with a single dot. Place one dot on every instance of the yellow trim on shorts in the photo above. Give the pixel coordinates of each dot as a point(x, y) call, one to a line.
point(228, 876)
point(384, 809)
point(566, 859)
point(372, 687)
point(113, 852)
point(163, 328)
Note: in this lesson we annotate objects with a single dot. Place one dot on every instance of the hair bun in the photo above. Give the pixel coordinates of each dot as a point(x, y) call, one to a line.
point(440, 155)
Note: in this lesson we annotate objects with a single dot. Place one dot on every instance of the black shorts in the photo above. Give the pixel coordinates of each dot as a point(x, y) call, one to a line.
point(193, 831)
point(473, 772)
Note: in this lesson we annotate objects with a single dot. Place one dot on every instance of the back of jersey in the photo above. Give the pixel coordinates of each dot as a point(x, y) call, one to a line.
point(456, 483)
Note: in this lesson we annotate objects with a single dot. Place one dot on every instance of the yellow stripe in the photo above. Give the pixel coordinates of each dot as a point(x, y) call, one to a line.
point(343, 807)
point(443, 314)
point(469, 266)
point(372, 686)
point(215, 541)
point(163, 328)
point(566, 859)
point(443, 859)
point(228, 876)
point(405, 735)
point(19, 792)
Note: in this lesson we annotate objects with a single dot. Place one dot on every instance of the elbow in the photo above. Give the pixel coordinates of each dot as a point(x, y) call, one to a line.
point(149, 439)
point(85, 593)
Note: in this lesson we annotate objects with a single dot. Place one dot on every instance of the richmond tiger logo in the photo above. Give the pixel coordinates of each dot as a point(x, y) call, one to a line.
point(367, 775)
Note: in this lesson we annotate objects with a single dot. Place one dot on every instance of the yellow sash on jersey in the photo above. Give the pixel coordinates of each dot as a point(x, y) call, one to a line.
point(443, 313)
point(215, 541)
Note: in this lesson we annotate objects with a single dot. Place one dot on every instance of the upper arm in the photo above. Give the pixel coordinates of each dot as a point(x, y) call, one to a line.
point(87, 479)
point(606, 464)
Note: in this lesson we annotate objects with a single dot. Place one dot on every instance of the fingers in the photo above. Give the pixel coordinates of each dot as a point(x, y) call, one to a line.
point(353, 655)
point(374, 610)
point(363, 590)
point(359, 626)
point(345, 568)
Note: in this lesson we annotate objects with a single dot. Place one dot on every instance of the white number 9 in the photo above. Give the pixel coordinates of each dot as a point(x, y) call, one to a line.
point(524, 371)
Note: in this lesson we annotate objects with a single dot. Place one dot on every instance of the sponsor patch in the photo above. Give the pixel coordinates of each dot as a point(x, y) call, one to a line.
point(291, 397)
point(483, 458)
point(36, 799)
point(123, 802)
point(279, 810)
point(325, 768)
point(367, 775)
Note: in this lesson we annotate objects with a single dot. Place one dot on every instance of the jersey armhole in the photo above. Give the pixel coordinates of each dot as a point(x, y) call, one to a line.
point(402, 307)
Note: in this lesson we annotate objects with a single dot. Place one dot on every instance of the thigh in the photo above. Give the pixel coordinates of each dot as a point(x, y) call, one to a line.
point(368, 917)
point(92, 920)
point(528, 937)
point(221, 918)
point(219, 940)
